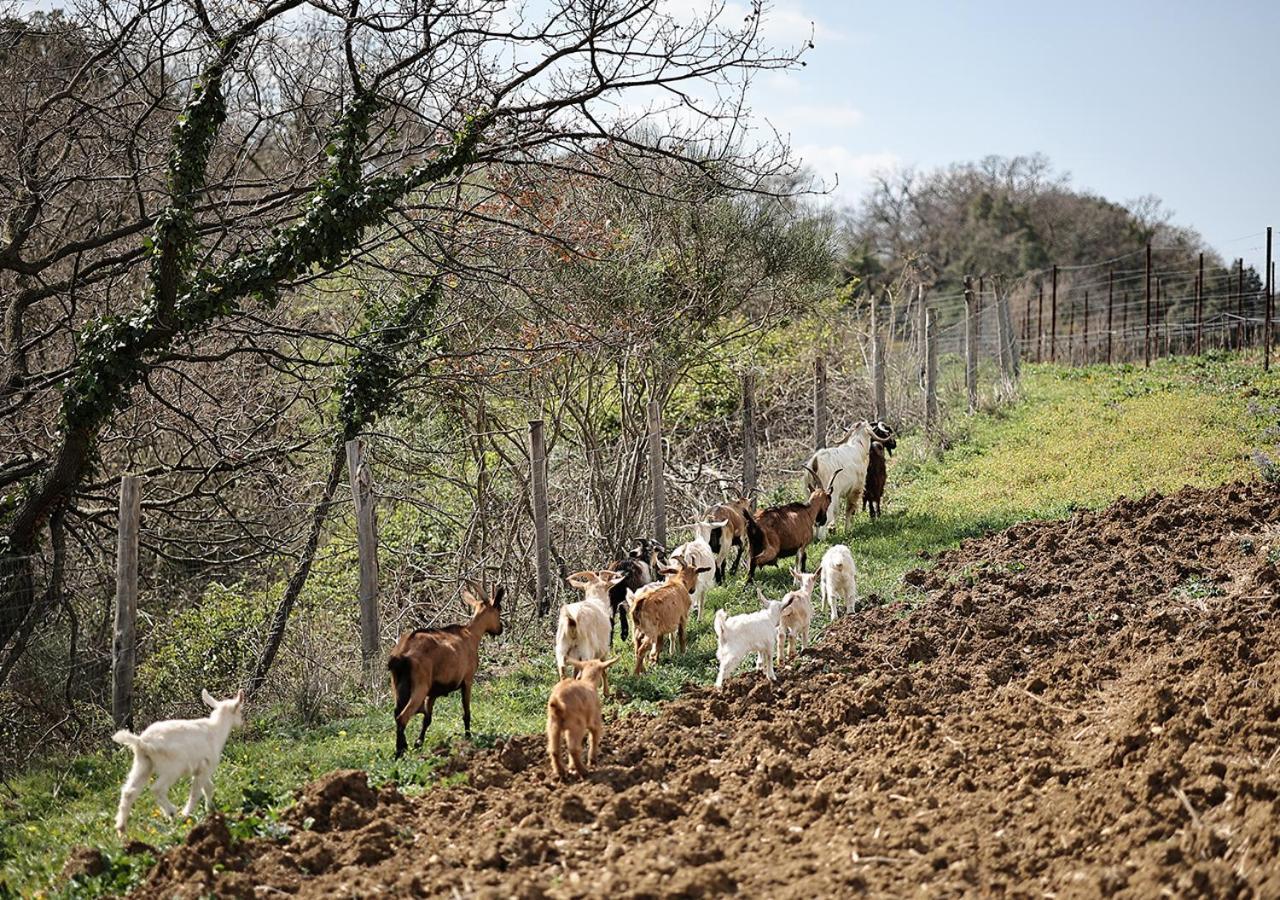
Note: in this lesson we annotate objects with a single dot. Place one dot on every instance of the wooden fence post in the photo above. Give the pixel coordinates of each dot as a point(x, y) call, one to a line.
point(1266, 320)
point(819, 403)
point(1085, 334)
point(877, 362)
point(1015, 352)
point(1004, 347)
point(1039, 321)
point(541, 534)
point(367, 545)
point(970, 348)
point(748, 435)
point(1071, 335)
point(657, 475)
point(1146, 340)
point(1241, 333)
point(1053, 319)
point(1111, 300)
point(931, 369)
point(124, 636)
point(1199, 304)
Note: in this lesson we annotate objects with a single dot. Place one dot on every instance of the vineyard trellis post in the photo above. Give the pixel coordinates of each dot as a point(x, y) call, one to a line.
point(970, 348)
point(362, 495)
point(1015, 354)
point(124, 635)
point(541, 535)
point(1004, 344)
point(1039, 321)
point(748, 434)
point(819, 403)
point(1085, 335)
point(1240, 327)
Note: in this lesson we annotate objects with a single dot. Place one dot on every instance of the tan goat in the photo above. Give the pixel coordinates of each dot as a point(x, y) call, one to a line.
point(573, 712)
point(662, 609)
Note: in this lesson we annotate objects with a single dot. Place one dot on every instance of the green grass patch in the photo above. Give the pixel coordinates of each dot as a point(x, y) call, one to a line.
point(1079, 438)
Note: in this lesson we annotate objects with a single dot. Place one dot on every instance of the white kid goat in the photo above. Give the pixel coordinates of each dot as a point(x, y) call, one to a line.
point(169, 750)
point(698, 553)
point(741, 635)
point(839, 580)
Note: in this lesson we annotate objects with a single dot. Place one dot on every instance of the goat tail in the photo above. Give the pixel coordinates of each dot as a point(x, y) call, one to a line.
point(126, 738)
point(721, 616)
point(401, 668)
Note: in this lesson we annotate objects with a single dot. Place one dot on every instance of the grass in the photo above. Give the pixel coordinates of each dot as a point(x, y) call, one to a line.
point(1079, 438)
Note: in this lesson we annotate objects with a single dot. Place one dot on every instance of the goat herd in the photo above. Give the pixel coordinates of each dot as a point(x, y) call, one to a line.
point(428, 663)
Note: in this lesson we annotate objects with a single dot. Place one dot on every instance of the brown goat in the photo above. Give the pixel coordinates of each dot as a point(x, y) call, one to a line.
point(663, 609)
point(877, 475)
point(781, 531)
point(734, 514)
point(573, 711)
point(430, 662)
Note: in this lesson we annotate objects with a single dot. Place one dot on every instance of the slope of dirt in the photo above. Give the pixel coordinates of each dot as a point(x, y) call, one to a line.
point(1076, 708)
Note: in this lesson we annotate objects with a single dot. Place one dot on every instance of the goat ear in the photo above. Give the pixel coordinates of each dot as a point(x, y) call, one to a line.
point(208, 699)
point(240, 697)
point(582, 580)
point(614, 577)
point(469, 598)
point(764, 601)
point(499, 594)
point(611, 661)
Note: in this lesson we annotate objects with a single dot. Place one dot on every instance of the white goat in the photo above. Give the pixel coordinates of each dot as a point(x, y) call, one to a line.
point(797, 619)
point(740, 635)
point(169, 750)
point(839, 580)
point(583, 630)
point(843, 468)
point(698, 553)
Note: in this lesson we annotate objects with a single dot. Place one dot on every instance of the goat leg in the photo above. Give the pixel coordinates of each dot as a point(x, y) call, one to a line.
point(466, 708)
point(426, 721)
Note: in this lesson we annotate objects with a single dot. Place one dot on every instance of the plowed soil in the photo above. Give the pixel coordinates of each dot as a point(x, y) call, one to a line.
point(1074, 708)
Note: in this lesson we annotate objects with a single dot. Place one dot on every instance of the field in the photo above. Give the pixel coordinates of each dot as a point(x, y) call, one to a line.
point(1008, 636)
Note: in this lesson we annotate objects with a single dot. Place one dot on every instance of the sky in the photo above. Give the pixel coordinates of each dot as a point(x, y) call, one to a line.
point(1175, 99)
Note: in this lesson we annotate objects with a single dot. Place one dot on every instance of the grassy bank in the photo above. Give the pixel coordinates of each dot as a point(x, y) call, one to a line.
point(1079, 438)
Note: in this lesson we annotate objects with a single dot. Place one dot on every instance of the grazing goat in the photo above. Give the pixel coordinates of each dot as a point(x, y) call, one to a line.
point(698, 553)
point(583, 630)
point(849, 459)
point(637, 568)
point(662, 609)
point(782, 531)
point(427, 663)
point(839, 580)
point(797, 616)
point(756, 632)
point(169, 750)
point(574, 711)
point(878, 468)
point(733, 533)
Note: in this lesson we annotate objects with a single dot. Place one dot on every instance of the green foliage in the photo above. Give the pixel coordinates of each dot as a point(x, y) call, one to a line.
point(208, 645)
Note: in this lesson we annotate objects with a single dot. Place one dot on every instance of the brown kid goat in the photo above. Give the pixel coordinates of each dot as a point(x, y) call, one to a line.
point(430, 662)
point(781, 531)
point(733, 533)
point(662, 609)
point(573, 711)
point(877, 475)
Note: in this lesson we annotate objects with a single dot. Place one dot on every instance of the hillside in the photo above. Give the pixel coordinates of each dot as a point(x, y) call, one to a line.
point(1090, 705)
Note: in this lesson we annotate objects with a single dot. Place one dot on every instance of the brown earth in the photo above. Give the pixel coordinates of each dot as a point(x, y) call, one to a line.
point(1076, 708)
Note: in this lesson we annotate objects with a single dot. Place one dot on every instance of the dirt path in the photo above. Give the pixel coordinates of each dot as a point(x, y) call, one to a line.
point(1075, 708)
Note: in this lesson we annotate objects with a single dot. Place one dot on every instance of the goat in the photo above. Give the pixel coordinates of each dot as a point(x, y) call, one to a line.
point(849, 458)
point(733, 533)
point(797, 617)
point(583, 630)
point(169, 750)
point(427, 663)
point(662, 609)
point(637, 569)
point(573, 711)
point(698, 553)
point(740, 635)
point(878, 471)
point(782, 531)
point(839, 580)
